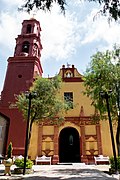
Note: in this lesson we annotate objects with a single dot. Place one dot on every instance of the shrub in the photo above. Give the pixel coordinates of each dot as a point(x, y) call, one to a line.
point(20, 163)
point(112, 162)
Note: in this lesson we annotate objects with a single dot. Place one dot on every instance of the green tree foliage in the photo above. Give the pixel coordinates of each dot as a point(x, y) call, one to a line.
point(45, 5)
point(47, 105)
point(20, 163)
point(103, 74)
point(109, 6)
point(112, 164)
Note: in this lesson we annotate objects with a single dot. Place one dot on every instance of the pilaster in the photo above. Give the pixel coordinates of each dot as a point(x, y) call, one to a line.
point(55, 156)
point(83, 152)
point(99, 138)
point(40, 133)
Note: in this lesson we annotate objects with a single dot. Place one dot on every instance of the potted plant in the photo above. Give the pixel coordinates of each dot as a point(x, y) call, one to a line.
point(8, 160)
point(19, 162)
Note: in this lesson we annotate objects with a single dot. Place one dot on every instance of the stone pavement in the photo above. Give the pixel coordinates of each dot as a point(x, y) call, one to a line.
point(78, 171)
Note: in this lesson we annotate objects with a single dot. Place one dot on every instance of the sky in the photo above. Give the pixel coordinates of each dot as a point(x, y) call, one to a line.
point(72, 38)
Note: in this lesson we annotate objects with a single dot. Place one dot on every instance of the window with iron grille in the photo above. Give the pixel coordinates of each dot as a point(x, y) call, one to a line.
point(68, 97)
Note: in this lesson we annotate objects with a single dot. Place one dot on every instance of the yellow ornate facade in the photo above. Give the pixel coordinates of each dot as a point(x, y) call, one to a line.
point(78, 138)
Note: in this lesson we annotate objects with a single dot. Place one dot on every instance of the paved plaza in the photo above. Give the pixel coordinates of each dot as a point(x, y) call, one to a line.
point(77, 171)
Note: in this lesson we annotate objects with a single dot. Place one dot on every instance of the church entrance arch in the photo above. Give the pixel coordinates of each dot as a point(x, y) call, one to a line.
point(69, 145)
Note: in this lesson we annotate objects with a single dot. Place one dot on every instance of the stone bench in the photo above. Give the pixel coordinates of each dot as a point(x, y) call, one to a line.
point(101, 158)
point(43, 159)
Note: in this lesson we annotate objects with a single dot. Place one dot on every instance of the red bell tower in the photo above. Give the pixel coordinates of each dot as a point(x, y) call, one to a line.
point(21, 70)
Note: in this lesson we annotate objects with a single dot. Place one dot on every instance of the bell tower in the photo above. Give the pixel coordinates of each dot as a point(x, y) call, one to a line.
point(25, 64)
point(21, 71)
point(28, 42)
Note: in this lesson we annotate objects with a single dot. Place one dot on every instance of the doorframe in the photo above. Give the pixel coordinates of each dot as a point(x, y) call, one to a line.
point(80, 142)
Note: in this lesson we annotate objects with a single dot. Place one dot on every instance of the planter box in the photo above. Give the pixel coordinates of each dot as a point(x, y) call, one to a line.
point(20, 171)
point(112, 171)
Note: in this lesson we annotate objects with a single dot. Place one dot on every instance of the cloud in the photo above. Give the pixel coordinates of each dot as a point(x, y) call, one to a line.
point(12, 3)
point(8, 29)
point(100, 30)
point(59, 33)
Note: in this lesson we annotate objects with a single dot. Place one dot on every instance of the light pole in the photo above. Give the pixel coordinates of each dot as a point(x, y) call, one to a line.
point(29, 95)
point(107, 96)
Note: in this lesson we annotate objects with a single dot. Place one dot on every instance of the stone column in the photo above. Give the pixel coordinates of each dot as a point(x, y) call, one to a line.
point(55, 156)
point(99, 139)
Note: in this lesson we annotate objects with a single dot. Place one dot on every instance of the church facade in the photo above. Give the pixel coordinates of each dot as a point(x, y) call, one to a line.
point(78, 138)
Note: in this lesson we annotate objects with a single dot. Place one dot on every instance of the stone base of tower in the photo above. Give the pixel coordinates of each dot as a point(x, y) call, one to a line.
point(55, 159)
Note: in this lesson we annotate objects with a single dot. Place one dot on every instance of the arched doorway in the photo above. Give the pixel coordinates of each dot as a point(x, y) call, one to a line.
point(69, 145)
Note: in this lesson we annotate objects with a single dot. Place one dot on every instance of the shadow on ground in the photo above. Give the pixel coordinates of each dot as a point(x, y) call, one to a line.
point(69, 174)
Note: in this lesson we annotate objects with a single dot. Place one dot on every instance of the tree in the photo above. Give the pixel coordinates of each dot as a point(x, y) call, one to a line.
point(109, 6)
point(47, 105)
point(102, 75)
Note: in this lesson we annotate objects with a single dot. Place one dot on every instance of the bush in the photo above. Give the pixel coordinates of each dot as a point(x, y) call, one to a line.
point(20, 163)
point(112, 163)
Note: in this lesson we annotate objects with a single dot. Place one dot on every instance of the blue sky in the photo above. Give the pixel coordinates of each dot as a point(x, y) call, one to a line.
point(72, 38)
